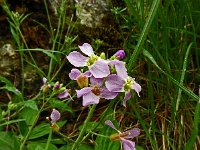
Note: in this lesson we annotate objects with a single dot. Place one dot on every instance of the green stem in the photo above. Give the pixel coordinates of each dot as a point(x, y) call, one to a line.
point(79, 139)
point(49, 140)
point(32, 126)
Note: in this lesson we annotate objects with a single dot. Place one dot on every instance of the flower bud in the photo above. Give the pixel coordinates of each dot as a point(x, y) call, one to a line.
point(103, 55)
point(120, 54)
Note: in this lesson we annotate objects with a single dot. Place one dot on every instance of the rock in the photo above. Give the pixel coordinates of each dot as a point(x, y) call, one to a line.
point(92, 12)
point(9, 60)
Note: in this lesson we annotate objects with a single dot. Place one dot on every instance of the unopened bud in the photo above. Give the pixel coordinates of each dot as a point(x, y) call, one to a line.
point(120, 54)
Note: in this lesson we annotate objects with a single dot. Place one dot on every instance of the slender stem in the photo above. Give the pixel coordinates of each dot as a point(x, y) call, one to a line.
point(49, 140)
point(79, 139)
point(32, 126)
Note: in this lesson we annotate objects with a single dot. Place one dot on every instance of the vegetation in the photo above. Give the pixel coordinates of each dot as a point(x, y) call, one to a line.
point(41, 102)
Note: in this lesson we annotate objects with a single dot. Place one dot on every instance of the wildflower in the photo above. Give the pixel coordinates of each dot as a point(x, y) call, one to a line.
point(124, 136)
point(45, 86)
point(55, 116)
point(121, 82)
point(81, 78)
point(64, 94)
point(97, 66)
point(92, 94)
point(120, 54)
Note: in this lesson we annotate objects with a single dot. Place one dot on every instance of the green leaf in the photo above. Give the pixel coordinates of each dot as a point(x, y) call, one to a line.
point(11, 121)
point(139, 148)
point(10, 87)
point(40, 146)
point(8, 141)
point(6, 81)
point(29, 115)
point(81, 147)
point(31, 104)
point(183, 88)
point(144, 33)
point(55, 103)
point(39, 131)
point(191, 141)
point(110, 145)
point(90, 126)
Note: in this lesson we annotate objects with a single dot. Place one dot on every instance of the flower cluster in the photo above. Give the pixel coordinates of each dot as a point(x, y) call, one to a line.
point(103, 78)
point(55, 88)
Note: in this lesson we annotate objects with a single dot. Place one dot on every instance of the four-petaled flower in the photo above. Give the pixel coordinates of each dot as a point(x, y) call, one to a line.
point(124, 136)
point(121, 82)
point(97, 66)
point(92, 94)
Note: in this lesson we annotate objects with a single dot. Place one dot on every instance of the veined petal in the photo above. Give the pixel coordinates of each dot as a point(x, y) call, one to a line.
point(132, 133)
point(120, 68)
point(127, 97)
point(105, 93)
point(127, 144)
point(86, 49)
point(100, 69)
point(63, 95)
point(109, 123)
point(74, 74)
point(87, 74)
point(90, 98)
point(83, 91)
point(96, 81)
point(136, 87)
point(77, 59)
point(114, 83)
point(55, 116)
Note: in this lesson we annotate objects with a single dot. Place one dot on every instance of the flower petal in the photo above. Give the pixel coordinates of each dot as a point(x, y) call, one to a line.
point(77, 59)
point(96, 81)
point(114, 83)
point(132, 133)
point(90, 98)
point(100, 69)
point(63, 95)
point(127, 97)
point(87, 74)
point(83, 91)
point(55, 116)
point(128, 145)
point(109, 123)
point(44, 80)
point(74, 74)
point(86, 49)
point(120, 68)
point(105, 93)
point(136, 87)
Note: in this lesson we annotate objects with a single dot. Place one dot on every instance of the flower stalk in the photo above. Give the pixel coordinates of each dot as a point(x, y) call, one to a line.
point(79, 139)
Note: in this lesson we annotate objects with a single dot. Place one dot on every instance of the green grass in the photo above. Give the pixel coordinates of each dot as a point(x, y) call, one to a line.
point(161, 40)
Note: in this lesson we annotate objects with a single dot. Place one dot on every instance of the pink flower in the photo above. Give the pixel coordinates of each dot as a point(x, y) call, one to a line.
point(124, 136)
point(97, 66)
point(92, 94)
point(55, 116)
point(121, 82)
